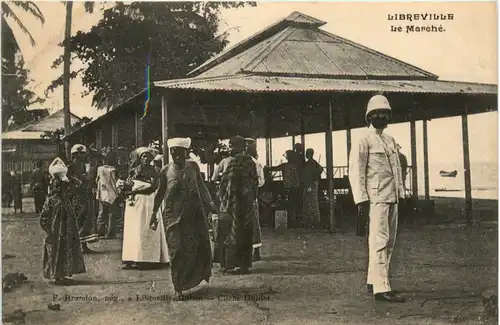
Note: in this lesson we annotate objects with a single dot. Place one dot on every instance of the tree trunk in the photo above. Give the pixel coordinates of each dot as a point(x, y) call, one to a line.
point(66, 81)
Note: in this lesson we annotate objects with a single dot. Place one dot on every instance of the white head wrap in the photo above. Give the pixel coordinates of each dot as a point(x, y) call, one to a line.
point(78, 148)
point(58, 169)
point(179, 142)
point(142, 150)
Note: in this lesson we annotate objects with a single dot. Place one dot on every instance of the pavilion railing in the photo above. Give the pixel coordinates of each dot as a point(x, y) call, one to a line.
point(343, 171)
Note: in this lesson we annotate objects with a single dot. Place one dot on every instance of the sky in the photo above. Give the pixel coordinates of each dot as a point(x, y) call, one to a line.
point(466, 51)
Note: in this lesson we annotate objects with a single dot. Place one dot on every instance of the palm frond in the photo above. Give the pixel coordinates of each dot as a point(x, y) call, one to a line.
point(7, 12)
point(32, 8)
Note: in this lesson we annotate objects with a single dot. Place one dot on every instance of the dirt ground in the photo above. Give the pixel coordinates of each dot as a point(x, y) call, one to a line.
point(305, 277)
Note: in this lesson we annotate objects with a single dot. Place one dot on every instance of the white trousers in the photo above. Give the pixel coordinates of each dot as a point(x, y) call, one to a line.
point(381, 240)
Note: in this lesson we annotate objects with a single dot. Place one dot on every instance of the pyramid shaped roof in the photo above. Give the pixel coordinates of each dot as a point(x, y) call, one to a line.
point(297, 47)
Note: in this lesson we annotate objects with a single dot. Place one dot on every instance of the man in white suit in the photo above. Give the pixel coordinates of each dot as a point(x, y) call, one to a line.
point(377, 186)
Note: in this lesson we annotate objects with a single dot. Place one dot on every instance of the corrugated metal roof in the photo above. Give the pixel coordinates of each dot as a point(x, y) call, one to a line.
point(22, 135)
point(253, 83)
point(298, 17)
point(296, 46)
point(294, 18)
point(35, 130)
point(51, 122)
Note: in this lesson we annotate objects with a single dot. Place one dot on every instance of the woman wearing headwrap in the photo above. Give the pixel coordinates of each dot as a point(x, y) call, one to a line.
point(184, 193)
point(142, 248)
point(63, 255)
point(237, 194)
point(82, 199)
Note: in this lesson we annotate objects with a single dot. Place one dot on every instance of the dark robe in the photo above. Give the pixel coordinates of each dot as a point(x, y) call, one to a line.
point(63, 254)
point(310, 201)
point(237, 194)
point(17, 193)
point(39, 186)
point(83, 202)
point(186, 225)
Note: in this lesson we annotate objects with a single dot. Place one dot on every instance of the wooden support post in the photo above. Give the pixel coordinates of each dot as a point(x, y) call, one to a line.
point(329, 166)
point(414, 174)
point(348, 142)
point(138, 130)
point(269, 160)
point(270, 151)
point(302, 130)
point(426, 160)
point(98, 139)
point(467, 174)
point(164, 130)
point(293, 141)
point(114, 135)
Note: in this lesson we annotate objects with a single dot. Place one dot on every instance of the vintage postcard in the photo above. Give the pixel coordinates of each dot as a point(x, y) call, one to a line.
point(249, 162)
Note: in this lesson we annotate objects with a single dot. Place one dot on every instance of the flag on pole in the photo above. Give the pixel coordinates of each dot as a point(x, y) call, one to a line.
point(148, 87)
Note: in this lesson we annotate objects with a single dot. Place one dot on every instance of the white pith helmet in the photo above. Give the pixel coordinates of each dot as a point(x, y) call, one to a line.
point(376, 103)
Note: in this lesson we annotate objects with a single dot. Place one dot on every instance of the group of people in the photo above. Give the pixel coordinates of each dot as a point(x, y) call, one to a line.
point(167, 207)
point(12, 192)
point(301, 175)
point(166, 212)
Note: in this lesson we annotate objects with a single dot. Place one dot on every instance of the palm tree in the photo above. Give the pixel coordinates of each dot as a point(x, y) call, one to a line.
point(11, 69)
point(89, 7)
point(28, 6)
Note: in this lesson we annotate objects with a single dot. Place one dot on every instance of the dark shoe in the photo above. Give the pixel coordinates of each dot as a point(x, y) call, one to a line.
point(256, 255)
point(242, 270)
point(388, 297)
point(369, 288)
point(129, 267)
point(64, 282)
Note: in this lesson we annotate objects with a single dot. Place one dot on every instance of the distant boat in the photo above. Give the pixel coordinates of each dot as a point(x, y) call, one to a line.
point(447, 190)
point(448, 174)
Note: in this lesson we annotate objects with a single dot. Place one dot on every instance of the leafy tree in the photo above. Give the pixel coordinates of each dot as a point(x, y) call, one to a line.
point(177, 36)
point(16, 96)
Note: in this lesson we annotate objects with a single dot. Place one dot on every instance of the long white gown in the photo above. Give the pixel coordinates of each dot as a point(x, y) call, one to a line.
point(140, 244)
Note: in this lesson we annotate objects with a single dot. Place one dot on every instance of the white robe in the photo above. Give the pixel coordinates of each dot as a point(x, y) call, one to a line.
point(140, 244)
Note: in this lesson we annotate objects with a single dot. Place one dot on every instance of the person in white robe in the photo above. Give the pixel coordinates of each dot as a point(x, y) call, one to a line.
point(143, 248)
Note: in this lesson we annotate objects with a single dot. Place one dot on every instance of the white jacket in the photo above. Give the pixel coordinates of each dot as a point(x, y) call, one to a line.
point(375, 170)
point(260, 172)
point(106, 184)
